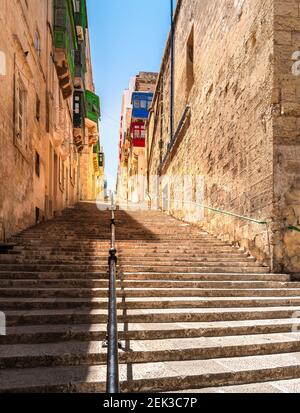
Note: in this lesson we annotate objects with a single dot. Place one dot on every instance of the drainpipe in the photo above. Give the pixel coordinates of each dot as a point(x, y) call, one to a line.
point(172, 74)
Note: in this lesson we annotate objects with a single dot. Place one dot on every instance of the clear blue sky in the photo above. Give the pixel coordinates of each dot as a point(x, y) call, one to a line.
point(127, 36)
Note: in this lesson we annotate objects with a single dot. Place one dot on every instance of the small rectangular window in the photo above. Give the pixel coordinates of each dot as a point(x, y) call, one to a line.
point(21, 102)
point(37, 43)
point(37, 164)
point(190, 63)
point(37, 108)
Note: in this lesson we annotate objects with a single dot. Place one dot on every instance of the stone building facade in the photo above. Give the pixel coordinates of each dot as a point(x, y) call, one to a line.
point(136, 101)
point(43, 166)
point(236, 142)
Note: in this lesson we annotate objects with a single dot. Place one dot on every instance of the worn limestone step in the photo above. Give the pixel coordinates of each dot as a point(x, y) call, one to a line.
point(144, 303)
point(40, 275)
point(30, 263)
point(205, 276)
point(57, 292)
point(38, 248)
point(124, 283)
point(167, 251)
point(153, 260)
point(187, 241)
point(138, 331)
point(222, 267)
point(83, 316)
point(12, 262)
point(196, 276)
point(155, 377)
point(92, 353)
point(58, 267)
point(49, 292)
point(280, 386)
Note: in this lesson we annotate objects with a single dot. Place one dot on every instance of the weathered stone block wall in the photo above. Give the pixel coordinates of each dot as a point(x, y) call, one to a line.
point(17, 162)
point(287, 133)
point(21, 190)
point(230, 137)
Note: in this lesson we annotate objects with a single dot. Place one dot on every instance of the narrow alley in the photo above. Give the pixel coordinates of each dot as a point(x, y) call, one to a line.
point(149, 199)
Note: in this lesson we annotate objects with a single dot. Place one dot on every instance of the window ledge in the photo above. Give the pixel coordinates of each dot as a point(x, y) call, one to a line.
point(180, 133)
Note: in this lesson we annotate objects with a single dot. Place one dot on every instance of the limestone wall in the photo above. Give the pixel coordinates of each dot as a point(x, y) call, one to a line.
point(22, 191)
point(287, 133)
point(229, 138)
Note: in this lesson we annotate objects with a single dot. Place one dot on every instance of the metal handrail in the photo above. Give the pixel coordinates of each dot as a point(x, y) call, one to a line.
point(292, 228)
point(242, 217)
point(231, 214)
point(112, 327)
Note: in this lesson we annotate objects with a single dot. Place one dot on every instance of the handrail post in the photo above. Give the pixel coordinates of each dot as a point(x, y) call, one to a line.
point(112, 333)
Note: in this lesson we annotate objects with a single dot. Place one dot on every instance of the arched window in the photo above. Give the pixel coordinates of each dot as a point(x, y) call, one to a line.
point(2, 64)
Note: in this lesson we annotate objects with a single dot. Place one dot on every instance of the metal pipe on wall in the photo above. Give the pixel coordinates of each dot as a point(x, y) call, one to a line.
point(172, 73)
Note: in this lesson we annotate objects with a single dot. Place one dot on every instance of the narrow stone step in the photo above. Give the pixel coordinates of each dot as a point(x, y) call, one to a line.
point(176, 276)
point(56, 267)
point(280, 386)
point(147, 292)
point(243, 261)
point(148, 331)
point(155, 377)
point(190, 261)
point(145, 303)
point(124, 283)
point(206, 276)
point(205, 268)
point(80, 316)
point(92, 353)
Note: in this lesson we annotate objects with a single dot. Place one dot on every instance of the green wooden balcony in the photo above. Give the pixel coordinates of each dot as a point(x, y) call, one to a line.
point(80, 66)
point(92, 108)
point(65, 43)
point(81, 18)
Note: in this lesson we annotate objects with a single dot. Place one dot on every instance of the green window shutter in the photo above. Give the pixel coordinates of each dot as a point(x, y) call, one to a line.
point(97, 148)
point(92, 106)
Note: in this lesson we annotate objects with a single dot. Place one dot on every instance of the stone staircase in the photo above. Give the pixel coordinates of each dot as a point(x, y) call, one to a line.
point(195, 314)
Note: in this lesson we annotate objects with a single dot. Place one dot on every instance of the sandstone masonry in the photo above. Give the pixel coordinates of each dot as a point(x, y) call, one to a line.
point(236, 123)
point(43, 168)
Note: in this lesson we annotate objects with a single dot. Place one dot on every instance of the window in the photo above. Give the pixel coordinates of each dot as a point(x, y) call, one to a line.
point(77, 6)
point(190, 63)
point(37, 164)
point(136, 104)
point(37, 43)
point(37, 108)
point(21, 103)
point(61, 174)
